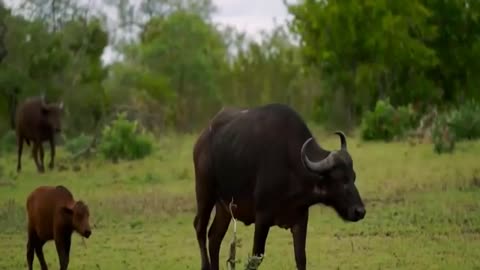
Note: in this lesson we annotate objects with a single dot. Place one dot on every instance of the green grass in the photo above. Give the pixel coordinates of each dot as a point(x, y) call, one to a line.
point(423, 212)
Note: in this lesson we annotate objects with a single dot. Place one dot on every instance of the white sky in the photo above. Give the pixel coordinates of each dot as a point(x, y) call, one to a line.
point(250, 16)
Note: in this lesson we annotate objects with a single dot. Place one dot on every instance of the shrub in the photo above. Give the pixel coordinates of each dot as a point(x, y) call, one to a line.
point(443, 137)
point(123, 140)
point(457, 125)
point(465, 121)
point(386, 122)
point(8, 142)
point(75, 145)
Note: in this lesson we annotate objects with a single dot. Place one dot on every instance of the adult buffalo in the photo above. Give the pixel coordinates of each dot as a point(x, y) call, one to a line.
point(37, 121)
point(265, 160)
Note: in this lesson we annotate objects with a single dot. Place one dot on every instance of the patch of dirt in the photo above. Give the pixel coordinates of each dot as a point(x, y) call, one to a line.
point(152, 203)
point(377, 201)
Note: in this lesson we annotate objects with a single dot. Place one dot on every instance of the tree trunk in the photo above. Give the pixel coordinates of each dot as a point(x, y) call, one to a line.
point(3, 49)
point(12, 102)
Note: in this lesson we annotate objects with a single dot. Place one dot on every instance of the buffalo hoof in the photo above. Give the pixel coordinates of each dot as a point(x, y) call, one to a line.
point(41, 170)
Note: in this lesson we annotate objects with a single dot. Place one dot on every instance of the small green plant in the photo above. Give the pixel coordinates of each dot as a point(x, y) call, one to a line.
point(386, 122)
point(8, 142)
point(77, 144)
point(124, 140)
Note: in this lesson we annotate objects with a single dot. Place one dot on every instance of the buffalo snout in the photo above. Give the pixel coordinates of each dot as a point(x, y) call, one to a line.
point(357, 213)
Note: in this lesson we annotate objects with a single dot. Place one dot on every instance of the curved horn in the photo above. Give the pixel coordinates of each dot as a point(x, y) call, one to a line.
point(319, 166)
point(343, 140)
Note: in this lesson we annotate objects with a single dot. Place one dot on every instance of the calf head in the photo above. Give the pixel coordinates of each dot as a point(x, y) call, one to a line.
point(79, 218)
point(335, 181)
point(53, 115)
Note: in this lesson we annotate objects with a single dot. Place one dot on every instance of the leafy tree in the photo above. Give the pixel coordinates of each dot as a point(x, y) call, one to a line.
point(367, 50)
point(64, 65)
point(180, 72)
point(3, 31)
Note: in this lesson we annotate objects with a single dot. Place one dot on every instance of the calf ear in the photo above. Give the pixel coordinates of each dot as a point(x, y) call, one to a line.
point(67, 212)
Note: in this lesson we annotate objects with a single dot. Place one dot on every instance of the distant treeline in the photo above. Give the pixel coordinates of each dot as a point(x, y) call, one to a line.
point(182, 67)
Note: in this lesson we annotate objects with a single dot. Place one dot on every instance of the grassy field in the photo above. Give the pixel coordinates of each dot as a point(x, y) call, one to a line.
point(423, 212)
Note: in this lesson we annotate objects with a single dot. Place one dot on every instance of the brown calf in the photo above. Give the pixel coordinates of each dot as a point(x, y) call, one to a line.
point(53, 214)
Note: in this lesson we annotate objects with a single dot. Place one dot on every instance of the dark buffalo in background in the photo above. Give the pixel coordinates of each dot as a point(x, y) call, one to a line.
point(37, 122)
point(265, 160)
point(53, 214)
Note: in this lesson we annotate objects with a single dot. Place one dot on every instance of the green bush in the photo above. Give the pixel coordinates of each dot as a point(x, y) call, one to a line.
point(124, 140)
point(386, 122)
point(8, 142)
point(465, 121)
point(443, 137)
point(456, 125)
point(75, 145)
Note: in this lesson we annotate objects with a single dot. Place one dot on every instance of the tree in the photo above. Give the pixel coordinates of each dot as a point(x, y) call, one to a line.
point(63, 63)
point(457, 47)
point(3, 32)
point(367, 50)
point(180, 72)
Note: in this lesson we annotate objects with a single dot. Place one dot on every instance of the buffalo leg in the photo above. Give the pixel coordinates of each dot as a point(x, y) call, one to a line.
point(62, 245)
point(216, 233)
point(42, 156)
point(35, 155)
point(52, 153)
point(262, 227)
point(19, 153)
point(299, 234)
point(205, 203)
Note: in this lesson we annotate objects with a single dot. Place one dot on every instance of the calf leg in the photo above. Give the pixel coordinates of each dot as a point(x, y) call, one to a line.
point(299, 234)
point(62, 244)
point(39, 252)
point(19, 153)
point(30, 249)
point(216, 233)
point(35, 244)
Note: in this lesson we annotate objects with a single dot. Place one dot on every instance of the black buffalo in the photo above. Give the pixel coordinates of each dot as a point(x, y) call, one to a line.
point(265, 160)
point(36, 122)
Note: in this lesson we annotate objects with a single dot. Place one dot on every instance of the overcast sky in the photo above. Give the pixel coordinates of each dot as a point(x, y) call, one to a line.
point(250, 16)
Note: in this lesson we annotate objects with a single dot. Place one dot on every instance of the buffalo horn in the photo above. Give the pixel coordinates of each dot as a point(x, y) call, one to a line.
point(343, 140)
point(319, 166)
